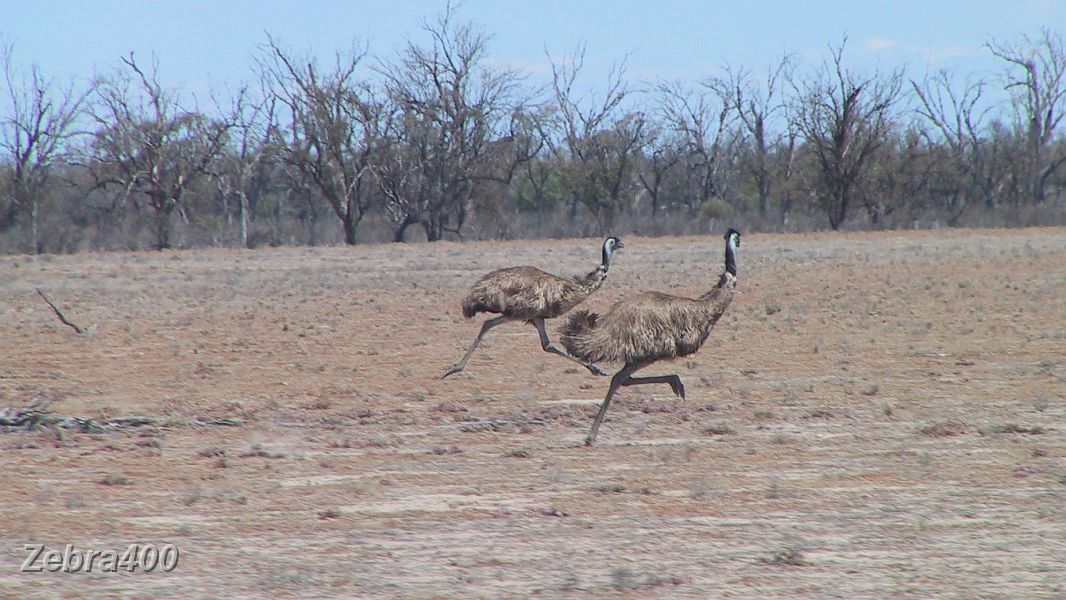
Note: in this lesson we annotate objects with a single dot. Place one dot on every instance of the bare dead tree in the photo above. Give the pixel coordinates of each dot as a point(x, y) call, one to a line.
point(965, 170)
point(845, 119)
point(786, 152)
point(244, 173)
point(147, 146)
point(40, 123)
point(331, 133)
point(456, 127)
point(662, 152)
point(705, 124)
point(595, 137)
point(759, 107)
point(1036, 78)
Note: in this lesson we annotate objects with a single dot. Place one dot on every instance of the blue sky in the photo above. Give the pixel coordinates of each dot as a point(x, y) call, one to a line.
point(203, 44)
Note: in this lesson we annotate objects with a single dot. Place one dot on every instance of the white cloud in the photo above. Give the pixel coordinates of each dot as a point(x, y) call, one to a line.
point(932, 55)
point(878, 44)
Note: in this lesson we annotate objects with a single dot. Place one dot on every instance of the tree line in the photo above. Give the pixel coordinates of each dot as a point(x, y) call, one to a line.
point(441, 142)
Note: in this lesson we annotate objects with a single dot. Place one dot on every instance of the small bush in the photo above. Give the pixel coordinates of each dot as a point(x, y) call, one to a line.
point(944, 429)
point(716, 208)
point(789, 555)
point(718, 429)
point(116, 479)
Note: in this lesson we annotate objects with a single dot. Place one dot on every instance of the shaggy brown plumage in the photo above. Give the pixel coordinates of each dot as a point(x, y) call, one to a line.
point(649, 327)
point(527, 293)
point(530, 294)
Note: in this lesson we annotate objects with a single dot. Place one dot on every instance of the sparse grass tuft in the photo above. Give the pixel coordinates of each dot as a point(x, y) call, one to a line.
point(116, 479)
point(449, 407)
point(789, 556)
point(718, 429)
point(520, 453)
point(652, 407)
point(773, 491)
point(441, 450)
point(1010, 428)
point(258, 451)
point(192, 497)
point(944, 429)
point(625, 579)
point(211, 451)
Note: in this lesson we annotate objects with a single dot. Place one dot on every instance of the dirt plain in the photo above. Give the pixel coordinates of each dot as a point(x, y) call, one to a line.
point(878, 415)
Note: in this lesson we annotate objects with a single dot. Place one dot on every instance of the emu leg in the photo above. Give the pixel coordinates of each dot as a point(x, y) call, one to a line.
point(618, 380)
point(550, 346)
point(673, 380)
point(489, 324)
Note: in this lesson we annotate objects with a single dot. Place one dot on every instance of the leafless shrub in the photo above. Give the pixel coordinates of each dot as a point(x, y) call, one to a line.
point(520, 453)
point(944, 429)
point(718, 429)
point(789, 556)
point(449, 407)
point(1010, 428)
point(211, 451)
point(441, 450)
point(258, 451)
point(192, 497)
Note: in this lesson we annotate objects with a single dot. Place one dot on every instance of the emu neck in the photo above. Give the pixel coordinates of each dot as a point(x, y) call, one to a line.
point(722, 294)
point(731, 257)
point(592, 281)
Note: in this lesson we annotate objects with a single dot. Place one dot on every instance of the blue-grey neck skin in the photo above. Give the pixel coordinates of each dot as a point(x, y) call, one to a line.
point(731, 255)
point(606, 262)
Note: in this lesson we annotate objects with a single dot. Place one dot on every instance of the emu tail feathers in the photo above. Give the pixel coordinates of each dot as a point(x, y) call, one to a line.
point(581, 321)
point(574, 333)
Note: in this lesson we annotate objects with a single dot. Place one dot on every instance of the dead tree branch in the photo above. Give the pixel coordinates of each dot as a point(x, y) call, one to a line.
point(62, 318)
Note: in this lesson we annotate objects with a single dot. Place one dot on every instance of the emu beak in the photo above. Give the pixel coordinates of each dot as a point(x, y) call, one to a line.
point(619, 245)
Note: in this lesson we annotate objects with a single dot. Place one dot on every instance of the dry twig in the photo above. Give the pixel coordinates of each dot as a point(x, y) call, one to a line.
point(62, 318)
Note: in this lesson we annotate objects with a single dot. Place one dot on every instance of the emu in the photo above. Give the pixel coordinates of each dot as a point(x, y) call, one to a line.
point(649, 327)
point(531, 295)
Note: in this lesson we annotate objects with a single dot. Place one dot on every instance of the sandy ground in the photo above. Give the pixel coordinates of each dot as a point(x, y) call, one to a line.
point(876, 416)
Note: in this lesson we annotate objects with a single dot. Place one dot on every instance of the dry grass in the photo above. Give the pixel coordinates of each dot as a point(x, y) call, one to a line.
point(888, 421)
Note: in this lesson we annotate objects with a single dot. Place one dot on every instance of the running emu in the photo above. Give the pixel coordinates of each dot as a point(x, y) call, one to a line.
point(649, 327)
point(531, 295)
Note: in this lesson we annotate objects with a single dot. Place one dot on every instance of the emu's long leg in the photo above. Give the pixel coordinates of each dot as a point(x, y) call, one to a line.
point(489, 324)
point(618, 380)
point(673, 380)
point(550, 346)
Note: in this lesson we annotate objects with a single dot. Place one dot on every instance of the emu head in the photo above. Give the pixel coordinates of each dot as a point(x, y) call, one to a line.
point(733, 237)
point(609, 246)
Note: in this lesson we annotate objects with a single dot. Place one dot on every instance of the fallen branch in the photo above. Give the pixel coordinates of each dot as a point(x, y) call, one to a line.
point(62, 318)
point(29, 419)
point(498, 424)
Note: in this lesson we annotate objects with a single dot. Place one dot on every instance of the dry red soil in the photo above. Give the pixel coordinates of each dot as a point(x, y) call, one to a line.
point(877, 416)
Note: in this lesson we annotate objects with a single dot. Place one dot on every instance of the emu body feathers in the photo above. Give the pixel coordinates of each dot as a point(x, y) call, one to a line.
point(532, 295)
point(649, 327)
